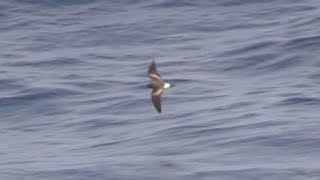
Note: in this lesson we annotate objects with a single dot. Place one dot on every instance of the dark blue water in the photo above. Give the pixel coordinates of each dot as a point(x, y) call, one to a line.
point(73, 102)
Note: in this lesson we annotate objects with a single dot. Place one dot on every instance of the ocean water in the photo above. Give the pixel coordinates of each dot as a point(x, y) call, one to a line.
point(73, 102)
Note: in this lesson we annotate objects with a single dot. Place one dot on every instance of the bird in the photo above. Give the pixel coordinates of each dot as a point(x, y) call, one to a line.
point(158, 86)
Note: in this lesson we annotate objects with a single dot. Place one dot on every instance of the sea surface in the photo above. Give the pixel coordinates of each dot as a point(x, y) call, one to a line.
point(74, 103)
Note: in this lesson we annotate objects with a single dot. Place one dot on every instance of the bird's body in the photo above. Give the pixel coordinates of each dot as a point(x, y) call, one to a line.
point(158, 85)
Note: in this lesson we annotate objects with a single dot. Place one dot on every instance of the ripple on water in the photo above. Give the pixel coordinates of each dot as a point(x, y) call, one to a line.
point(51, 62)
point(36, 94)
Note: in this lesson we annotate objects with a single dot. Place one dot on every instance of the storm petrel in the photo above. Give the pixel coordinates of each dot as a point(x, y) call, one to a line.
point(158, 85)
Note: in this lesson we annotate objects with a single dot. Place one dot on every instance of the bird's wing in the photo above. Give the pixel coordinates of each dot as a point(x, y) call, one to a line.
point(156, 98)
point(153, 73)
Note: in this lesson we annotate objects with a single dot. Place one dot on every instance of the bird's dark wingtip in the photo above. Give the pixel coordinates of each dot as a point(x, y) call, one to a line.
point(158, 109)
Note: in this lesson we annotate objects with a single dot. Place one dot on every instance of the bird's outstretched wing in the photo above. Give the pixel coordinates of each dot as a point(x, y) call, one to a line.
point(156, 98)
point(153, 73)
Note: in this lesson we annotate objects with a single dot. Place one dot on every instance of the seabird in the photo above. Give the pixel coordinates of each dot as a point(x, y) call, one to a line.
point(158, 85)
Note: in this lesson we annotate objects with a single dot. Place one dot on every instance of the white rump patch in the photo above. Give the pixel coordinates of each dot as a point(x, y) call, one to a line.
point(166, 85)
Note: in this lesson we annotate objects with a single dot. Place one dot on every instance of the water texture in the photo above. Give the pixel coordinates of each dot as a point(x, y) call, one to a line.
point(73, 102)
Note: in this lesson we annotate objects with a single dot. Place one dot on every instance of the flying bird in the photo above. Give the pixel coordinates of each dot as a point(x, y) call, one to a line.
point(158, 85)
